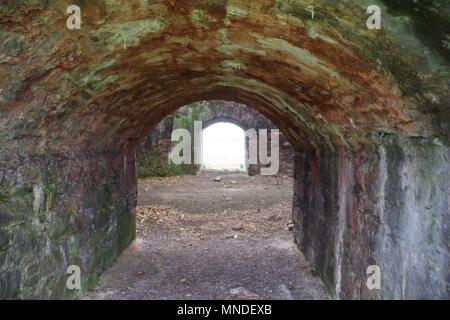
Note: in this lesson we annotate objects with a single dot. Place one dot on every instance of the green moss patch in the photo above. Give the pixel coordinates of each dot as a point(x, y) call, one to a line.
point(152, 165)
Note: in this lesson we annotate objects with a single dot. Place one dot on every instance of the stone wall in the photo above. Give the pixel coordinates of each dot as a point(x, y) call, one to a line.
point(62, 210)
point(158, 139)
point(385, 205)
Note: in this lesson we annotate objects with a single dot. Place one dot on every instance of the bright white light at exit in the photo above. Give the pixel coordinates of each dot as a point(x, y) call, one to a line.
point(224, 147)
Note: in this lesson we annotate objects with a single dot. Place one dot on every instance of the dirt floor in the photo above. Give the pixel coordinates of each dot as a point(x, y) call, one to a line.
point(206, 237)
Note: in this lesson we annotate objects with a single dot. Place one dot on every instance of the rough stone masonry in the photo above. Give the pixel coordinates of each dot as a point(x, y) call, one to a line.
point(158, 142)
point(367, 112)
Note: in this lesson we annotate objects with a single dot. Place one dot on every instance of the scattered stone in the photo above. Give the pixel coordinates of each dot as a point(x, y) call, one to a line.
point(237, 228)
point(243, 293)
point(140, 274)
point(217, 179)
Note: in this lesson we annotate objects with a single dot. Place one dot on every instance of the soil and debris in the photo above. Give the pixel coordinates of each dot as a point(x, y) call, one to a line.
point(199, 238)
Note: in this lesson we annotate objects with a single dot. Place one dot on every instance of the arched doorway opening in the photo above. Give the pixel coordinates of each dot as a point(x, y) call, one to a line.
point(217, 234)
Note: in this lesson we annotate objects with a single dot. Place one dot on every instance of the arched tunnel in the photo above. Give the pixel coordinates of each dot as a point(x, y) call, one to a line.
point(367, 112)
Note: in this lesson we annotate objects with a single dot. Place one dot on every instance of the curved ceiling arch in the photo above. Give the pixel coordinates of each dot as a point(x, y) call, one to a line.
point(105, 84)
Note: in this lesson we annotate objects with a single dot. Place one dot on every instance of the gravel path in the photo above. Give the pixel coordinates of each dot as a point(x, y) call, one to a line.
point(204, 239)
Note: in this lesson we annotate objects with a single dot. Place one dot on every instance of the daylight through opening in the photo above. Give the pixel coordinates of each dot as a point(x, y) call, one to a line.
point(223, 147)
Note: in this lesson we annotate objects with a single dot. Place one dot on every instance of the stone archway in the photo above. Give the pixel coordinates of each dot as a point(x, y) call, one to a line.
point(214, 121)
point(364, 109)
point(157, 143)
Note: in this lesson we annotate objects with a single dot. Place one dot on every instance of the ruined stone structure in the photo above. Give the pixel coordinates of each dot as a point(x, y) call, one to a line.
point(211, 112)
point(367, 112)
